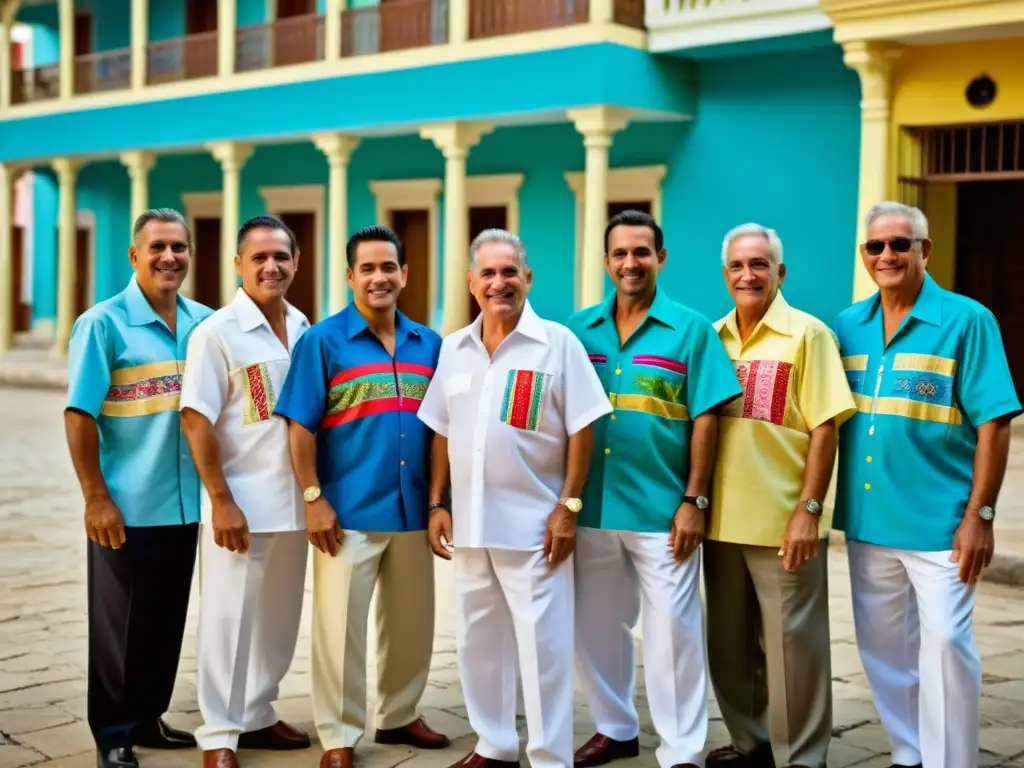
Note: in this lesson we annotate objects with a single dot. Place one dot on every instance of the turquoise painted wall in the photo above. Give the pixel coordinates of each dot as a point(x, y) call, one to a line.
point(166, 19)
point(44, 237)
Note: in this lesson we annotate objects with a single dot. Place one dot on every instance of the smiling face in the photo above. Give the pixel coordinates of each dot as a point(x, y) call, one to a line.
point(751, 274)
point(499, 281)
point(894, 258)
point(160, 257)
point(266, 264)
point(376, 277)
point(632, 261)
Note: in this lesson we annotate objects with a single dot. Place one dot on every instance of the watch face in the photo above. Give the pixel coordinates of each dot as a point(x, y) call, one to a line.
point(986, 513)
point(813, 506)
point(702, 502)
point(573, 505)
point(311, 494)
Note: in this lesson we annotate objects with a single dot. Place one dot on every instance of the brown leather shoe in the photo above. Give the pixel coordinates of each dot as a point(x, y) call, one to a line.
point(415, 734)
point(730, 757)
point(337, 758)
point(219, 758)
point(278, 736)
point(473, 760)
point(601, 749)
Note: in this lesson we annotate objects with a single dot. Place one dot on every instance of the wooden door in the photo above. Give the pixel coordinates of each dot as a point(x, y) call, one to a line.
point(199, 54)
point(83, 33)
point(990, 259)
point(413, 229)
point(302, 293)
point(206, 263)
point(614, 209)
point(295, 32)
point(200, 16)
point(22, 312)
point(481, 218)
point(83, 273)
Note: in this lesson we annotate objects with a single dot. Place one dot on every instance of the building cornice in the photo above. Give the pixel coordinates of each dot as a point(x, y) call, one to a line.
point(907, 19)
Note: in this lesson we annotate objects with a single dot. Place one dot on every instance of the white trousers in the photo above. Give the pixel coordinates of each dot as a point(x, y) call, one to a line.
point(249, 611)
point(912, 617)
point(512, 607)
point(613, 570)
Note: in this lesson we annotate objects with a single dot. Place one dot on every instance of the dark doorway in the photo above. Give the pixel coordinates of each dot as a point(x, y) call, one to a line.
point(413, 229)
point(614, 209)
point(83, 274)
point(990, 259)
point(200, 16)
point(302, 294)
point(83, 33)
point(481, 218)
point(206, 263)
point(21, 312)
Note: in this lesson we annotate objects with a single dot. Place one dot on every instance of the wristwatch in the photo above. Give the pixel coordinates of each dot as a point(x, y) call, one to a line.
point(813, 506)
point(311, 494)
point(438, 505)
point(572, 504)
point(700, 502)
point(987, 513)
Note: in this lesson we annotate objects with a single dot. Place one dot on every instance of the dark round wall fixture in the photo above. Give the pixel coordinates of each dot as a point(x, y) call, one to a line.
point(981, 92)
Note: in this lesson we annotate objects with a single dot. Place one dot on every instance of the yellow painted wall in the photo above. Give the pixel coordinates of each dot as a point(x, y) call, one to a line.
point(940, 207)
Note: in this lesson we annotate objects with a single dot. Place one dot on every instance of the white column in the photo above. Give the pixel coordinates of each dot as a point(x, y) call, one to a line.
point(8, 13)
point(602, 11)
point(139, 164)
point(332, 29)
point(66, 12)
point(7, 286)
point(338, 149)
point(458, 21)
point(455, 140)
point(597, 125)
point(227, 37)
point(67, 263)
point(140, 42)
point(232, 157)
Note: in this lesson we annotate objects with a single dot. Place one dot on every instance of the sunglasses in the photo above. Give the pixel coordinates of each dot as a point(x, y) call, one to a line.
point(897, 244)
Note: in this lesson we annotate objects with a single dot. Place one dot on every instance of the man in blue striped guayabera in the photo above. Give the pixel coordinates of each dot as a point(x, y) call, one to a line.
point(920, 468)
point(141, 489)
point(362, 459)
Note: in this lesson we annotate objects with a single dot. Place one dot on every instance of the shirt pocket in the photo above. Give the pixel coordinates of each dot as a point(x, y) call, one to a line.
point(259, 397)
point(525, 397)
point(660, 382)
point(458, 384)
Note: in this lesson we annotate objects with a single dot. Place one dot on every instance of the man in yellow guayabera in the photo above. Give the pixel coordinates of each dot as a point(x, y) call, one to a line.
point(765, 568)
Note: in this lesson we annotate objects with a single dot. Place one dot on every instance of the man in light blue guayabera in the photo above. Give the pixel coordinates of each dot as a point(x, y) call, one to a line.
point(141, 489)
point(921, 464)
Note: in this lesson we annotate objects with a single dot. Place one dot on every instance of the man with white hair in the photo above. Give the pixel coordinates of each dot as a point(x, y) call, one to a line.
point(511, 405)
point(920, 470)
point(765, 568)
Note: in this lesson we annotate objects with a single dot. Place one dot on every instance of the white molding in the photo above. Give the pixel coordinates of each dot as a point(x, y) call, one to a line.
point(307, 198)
point(633, 184)
point(199, 205)
point(86, 219)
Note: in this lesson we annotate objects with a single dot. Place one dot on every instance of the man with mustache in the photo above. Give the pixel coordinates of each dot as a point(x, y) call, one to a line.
point(362, 459)
point(253, 545)
point(140, 487)
point(511, 407)
point(644, 506)
point(920, 468)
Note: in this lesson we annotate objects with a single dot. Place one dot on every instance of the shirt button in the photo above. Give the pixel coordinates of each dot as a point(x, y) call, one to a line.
point(402, 436)
point(867, 486)
point(607, 451)
point(869, 459)
point(618, 371)
point(402, 462)
point(872, 430)
point(613, 417)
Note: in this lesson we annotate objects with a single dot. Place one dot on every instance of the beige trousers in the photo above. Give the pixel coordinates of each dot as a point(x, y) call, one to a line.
point(769, 650)
point(401, 567)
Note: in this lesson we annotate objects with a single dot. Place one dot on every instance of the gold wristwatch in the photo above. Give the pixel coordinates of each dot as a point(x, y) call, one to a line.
point(573, 505)
point(311, 494)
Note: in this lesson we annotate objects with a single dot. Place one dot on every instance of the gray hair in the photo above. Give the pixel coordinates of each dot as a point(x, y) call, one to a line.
point(167, 216)
point(918, 221)
point(502, 236)
point(744, 230)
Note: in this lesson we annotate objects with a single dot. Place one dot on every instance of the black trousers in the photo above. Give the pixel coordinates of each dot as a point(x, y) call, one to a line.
point(138, 601)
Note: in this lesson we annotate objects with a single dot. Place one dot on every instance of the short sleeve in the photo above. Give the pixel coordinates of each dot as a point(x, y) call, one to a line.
point(823, 391)
point(206, 381)
point(584, 397)
point(710, 376)
point(984, 385)
point(433, 411)
point(303, 397)
point(90, 360)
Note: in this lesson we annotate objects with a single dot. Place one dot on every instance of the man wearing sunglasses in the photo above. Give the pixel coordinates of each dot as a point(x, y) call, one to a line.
point(920, 468)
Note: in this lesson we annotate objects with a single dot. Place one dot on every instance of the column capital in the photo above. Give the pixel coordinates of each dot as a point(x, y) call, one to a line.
point(873, 62)
point(455, 139)
point(232, 155)
point(66, 166)
point(338, 147)
point(600, 121)
point(138, 161)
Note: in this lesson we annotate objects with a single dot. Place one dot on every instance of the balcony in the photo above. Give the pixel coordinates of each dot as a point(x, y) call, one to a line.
point(675, 25)
point(280, 43)
point(105, 71)
point(183, 58)
point(35, 84)
point(491, 18)
point(394, 26)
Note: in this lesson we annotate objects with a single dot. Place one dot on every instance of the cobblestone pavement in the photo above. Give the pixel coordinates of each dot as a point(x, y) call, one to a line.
point(43, 638)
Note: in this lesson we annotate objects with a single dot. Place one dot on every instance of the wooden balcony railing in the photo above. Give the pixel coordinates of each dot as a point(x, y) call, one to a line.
point(280, 43)
point(394, 26)
point(490, 18)
point(183, 58)
point(629, 13)
point(103, 71)
point(35, 84)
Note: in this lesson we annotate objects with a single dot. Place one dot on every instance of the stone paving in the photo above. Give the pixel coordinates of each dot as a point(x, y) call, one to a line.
point(43, 636)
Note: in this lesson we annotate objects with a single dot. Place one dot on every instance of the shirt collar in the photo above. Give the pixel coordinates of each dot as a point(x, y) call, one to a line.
point(530, 325)
point(141, 312)
point(660, 310)
point(250, 316)
point(927, 306)
point(355, 324)
point(776, 318)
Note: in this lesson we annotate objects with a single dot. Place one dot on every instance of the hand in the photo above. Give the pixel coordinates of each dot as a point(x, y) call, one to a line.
point(802, 540)
point(323, 528)
point(560, 537)
point(973, 545)
point(230, 528)
point(687, 532)
point(104, 523)
point(439, 533)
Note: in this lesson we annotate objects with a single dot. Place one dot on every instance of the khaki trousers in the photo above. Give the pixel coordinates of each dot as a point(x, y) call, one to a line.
point(769, 650)
point(400, 566)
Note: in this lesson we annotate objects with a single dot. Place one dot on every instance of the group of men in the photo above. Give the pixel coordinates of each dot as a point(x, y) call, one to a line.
point(573, 474)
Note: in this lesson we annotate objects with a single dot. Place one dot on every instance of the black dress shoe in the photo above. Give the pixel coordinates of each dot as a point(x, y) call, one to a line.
point(123, 757)
point(160, 735)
